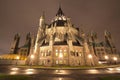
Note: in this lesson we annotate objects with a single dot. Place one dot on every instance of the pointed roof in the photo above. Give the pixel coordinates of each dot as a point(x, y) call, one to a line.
point(60, 12)
point(43, 15)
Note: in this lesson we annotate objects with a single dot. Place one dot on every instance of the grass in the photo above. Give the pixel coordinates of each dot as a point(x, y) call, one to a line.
point(69, 67)
point(110, 78)
point(14, 77)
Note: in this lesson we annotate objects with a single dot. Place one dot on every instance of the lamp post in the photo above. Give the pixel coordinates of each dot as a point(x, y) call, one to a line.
point(17, 58)
point(106, 57)
point(90, 56)
point(32, 57)
point(115, 59)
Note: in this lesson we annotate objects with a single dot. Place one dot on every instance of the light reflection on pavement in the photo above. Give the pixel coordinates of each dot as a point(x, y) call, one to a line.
point(28, 71)
point(60, 74)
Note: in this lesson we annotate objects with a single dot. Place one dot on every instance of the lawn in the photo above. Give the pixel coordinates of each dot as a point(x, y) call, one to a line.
point(110, 78)
point(14, 77)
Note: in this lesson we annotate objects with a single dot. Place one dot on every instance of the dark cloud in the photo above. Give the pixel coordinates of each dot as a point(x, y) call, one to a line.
point(22, 16)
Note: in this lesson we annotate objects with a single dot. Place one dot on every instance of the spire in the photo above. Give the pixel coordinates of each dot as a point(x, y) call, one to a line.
point(60, 12)
point(43, 15)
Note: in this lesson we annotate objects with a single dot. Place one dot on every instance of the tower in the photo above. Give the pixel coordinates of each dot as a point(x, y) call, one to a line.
point(40, 36)
point(15, 44)
point(93, 36)
point(109, 42)
point(90, 58)
point(108, 39)
point(41, 30)
point(28, 42)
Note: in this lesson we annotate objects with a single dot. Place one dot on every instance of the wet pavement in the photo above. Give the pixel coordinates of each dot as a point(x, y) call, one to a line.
point(52, 74)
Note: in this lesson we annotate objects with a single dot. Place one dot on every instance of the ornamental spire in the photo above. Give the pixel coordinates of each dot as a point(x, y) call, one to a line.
point(60, 12)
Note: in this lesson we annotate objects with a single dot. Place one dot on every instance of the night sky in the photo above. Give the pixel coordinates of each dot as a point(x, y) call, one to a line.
point(22, 16)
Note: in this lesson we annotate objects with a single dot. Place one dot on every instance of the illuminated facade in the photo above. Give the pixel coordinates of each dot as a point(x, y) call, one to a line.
point(60, 43)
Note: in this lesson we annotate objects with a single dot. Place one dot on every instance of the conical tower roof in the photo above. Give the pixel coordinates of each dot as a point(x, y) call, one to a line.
point(60, 12)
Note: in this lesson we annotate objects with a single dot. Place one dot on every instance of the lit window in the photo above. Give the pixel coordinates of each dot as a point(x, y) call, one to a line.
point(65, 54)
point(56, 61)
point(56, 53)
point(65, 50)
point(60, 50)
point(79, 54)
point(56, 50)
point(60, 55)
point(61, 61)
point(42, 54)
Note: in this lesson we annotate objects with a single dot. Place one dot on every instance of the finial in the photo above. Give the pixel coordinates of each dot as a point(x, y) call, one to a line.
point(60, 12)
point(105, 32)
point(43, 15)
point(59, 4)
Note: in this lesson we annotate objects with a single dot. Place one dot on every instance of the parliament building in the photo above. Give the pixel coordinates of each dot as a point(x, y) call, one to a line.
point(61, 43)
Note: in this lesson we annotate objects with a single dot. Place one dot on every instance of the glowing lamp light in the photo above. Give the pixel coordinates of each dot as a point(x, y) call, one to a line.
point(106, 57)
point(100, 62)
point(89, 56)
point(115, 58)
point(32, 56)
point(17, 57)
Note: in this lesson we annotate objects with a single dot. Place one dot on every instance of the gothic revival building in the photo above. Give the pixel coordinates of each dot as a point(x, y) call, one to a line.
point(22, 51)
point(61, 43)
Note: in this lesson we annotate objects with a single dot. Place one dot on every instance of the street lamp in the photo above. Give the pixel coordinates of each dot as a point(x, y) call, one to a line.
point(106, 57)
point(32, 57)
point(90, 56)
point(115, 59)
point(17, 59)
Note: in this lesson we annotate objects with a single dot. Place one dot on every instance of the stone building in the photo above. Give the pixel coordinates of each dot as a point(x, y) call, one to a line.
point(60, 43)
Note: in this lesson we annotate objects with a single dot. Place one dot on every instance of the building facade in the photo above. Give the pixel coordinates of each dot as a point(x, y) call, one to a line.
point(60, 43)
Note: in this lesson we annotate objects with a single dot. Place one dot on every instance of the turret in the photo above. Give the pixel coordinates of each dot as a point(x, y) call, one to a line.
point(93, 36)
point(89, 55)
point(28, 41)
point(40, 35)
point(108, 39)
point(40, 31)
point(15, 44)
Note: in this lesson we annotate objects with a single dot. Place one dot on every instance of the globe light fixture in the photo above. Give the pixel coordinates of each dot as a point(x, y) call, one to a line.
point(32, 56)
point(115, 58)
point(17, 57)
point(106, 57)
point(89, 56)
